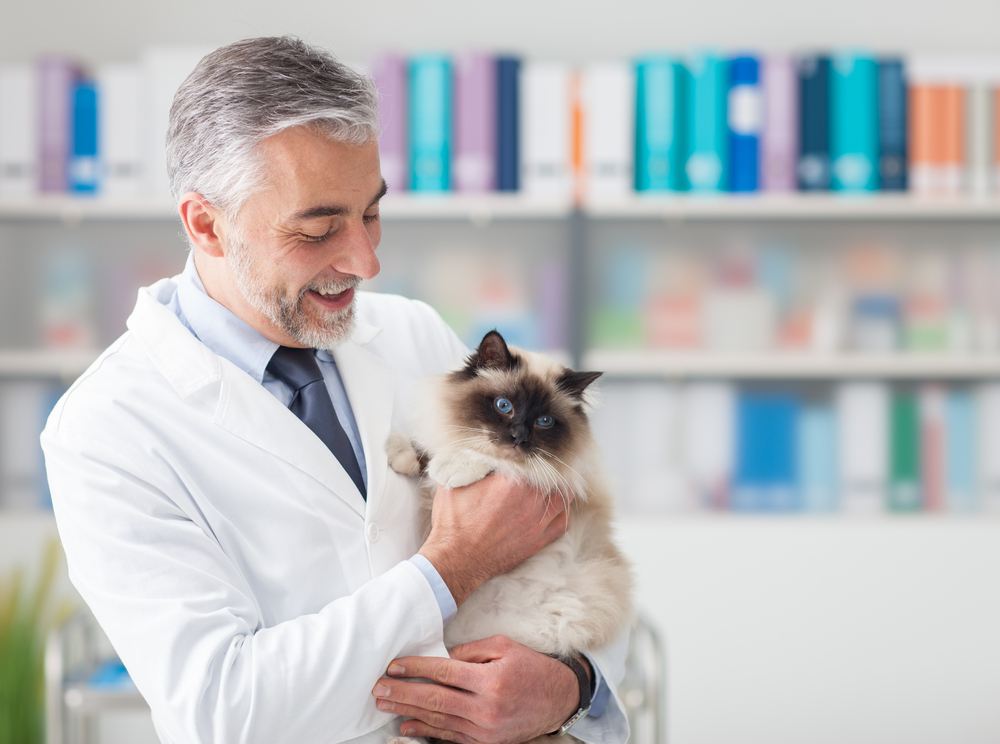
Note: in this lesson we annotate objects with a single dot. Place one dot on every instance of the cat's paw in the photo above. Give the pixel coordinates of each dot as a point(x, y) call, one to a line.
point(455, 471)
point(403, 456)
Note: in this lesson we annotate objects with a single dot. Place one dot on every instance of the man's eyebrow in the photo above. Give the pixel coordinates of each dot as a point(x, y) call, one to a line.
point(334, 210)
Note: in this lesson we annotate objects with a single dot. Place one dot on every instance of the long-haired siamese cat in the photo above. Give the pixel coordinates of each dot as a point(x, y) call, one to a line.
point(519, 414)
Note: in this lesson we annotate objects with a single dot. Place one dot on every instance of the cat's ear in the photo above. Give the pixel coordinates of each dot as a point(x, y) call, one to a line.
point(575, 383)
point(491, 354)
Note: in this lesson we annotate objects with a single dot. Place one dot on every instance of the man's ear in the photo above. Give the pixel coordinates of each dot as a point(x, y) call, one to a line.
point(201, 223)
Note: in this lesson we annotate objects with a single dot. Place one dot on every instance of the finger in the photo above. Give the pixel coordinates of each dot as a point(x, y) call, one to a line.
point(457, 674)
point(423, 695)
point(417, 728)
point(479, 652)
point(441, 721)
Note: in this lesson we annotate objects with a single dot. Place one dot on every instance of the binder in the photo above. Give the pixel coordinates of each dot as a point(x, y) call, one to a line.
point(745, 115)
point(83, 164)
point(546, 126)
point(814, 125)
point(475, 123)
point(708, 437)
point(780, 132)
point(508, 123)
point(892, 119)
point(430, 113)
point(932, 408)
point(608, 109)
point(960, 452)
point(57, 77)
point(19, 145)
point(904, 452)
point(659, 137)
point(390, 77)
point(854, 131)
point(862, 445)
point(988, 440)
point(120, 129)
point(707, 168)
point(980, 126)
point(817, 464)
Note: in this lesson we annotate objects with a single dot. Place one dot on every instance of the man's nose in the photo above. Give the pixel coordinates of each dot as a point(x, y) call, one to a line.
point(356, 253)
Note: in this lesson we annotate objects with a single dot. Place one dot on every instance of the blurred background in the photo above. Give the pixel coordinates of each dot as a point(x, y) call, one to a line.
point(773, 225)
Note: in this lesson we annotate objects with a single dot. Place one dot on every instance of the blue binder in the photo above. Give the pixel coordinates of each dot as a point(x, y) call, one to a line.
point(745, 111)
point(430, 120)
point(854, 130)
point(892, 124)
point(814, 141)
point(707, 167)
point(659, 134)
point(84, 174)
point(508, 102)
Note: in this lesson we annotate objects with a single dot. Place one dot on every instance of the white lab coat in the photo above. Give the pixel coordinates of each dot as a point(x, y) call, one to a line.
point(249, 589)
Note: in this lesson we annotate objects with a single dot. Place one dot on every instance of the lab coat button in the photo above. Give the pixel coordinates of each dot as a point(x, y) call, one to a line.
point(373, 532)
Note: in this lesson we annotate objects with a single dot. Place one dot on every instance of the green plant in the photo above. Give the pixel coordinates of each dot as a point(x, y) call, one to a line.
point(26, 614)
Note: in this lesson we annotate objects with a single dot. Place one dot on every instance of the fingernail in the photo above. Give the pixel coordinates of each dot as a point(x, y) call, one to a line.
point(381, 690)
point(405, 730)
point(383, 704)
point(396, 669)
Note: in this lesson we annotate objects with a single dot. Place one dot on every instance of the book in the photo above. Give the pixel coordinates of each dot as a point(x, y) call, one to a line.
point(508, 110)
point(817, 463)
point(546, 126)
point(659, 135)
point(475, 123)
point(19, 147)
point(744, 111)
point(707, 165)
point(960, 451)
point(937, 128)
point(814, 123)
point(389, 73)
point(120, 129)
point(854, 126)
point(608, 112)
point(892, 118)
point(905, 493)
point(779, 133)
point(980, 127)
point(430, 122)
point(57, 77)
point(862, 410)
point(84, 171)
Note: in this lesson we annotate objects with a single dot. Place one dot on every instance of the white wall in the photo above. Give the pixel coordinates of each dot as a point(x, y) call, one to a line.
point(564, 29)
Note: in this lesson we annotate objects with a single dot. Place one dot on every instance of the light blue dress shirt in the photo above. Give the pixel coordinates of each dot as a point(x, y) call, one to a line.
point(233, 339)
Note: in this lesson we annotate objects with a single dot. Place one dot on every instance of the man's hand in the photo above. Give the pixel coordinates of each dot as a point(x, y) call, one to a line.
point(487, 528)
point(493, 691)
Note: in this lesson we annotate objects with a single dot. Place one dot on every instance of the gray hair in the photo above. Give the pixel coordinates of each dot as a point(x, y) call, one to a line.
point(247, 91)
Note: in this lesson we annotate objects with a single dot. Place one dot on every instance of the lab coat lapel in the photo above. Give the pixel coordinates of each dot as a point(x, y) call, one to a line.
point(370, 388)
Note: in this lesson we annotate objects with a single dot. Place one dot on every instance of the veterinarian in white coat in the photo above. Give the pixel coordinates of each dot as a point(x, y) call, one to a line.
point(253, 592)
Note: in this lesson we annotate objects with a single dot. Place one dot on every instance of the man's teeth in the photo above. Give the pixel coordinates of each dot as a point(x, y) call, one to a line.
point(326, 292)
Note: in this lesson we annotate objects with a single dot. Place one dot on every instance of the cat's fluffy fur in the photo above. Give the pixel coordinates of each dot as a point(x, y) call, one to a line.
point(575, 594)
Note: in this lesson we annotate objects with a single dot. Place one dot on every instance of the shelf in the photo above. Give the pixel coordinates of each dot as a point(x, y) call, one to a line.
point(485, 208)
point(52, 363)
point(477, 208)
point(795, 206)
point(790, 365)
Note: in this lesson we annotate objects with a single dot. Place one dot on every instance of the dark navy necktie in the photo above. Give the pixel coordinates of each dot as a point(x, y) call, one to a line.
point(311, 402)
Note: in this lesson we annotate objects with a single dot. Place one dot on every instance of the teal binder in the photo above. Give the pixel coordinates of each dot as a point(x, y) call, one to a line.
point(707, 167)
point(659, 134)
point(854, 126)
point(430, 123)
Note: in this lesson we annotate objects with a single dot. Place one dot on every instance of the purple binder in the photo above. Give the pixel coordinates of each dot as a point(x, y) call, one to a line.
point(779, 146)
point(56, 78)
point(475, 123)
point(390, 79)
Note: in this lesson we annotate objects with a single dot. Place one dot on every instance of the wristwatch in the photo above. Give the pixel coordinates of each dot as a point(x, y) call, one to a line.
point(586, 691)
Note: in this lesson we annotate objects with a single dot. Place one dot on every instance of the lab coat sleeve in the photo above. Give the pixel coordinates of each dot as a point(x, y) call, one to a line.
point(184, 621)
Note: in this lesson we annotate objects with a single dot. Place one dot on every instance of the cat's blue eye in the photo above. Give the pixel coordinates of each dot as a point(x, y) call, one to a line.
point(545, 422)
point(503, 405)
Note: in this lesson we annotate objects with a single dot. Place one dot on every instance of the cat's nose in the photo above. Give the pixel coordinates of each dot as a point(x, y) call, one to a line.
point(519, 434)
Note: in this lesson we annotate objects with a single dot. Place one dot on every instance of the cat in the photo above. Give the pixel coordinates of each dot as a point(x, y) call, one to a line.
point(518, 413)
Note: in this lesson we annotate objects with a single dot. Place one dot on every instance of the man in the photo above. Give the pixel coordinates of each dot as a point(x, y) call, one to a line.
point(219, 476)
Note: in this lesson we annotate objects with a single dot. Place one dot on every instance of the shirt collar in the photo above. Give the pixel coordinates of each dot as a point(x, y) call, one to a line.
point(218, 328)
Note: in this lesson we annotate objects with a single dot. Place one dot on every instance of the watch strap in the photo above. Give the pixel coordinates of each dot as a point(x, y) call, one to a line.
point(586, 686)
